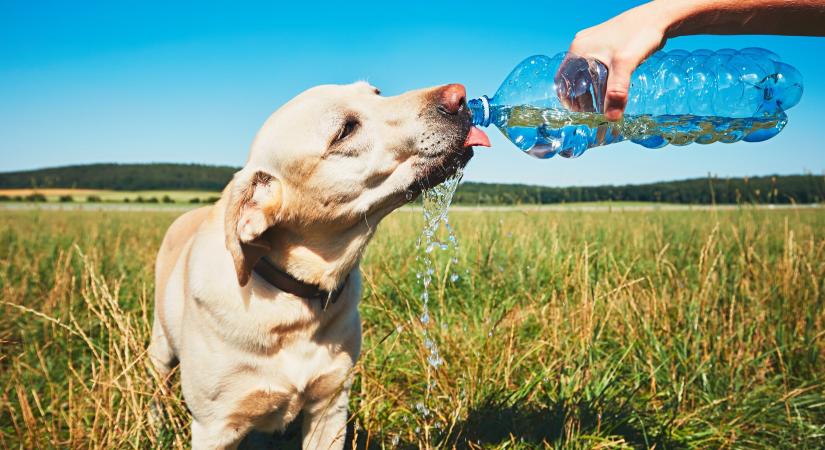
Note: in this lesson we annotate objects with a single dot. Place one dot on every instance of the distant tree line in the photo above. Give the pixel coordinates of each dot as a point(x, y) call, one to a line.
point(123, 177)
point(144, 177)
point(766, 189)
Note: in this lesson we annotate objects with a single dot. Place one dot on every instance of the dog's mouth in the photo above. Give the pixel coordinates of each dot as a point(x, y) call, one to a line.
point(453, 153)
point(436, 170)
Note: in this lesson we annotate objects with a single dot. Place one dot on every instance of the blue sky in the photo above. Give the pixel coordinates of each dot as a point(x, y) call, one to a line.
point(146, 81)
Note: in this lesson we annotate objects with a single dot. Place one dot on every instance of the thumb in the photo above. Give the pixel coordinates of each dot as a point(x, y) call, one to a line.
point(618, 86)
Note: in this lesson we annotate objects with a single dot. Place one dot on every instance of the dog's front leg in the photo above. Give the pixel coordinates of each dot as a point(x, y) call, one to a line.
point(325, 423)
point(215, 436)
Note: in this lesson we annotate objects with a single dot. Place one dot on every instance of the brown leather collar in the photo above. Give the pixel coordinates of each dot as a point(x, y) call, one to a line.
point(287, 283)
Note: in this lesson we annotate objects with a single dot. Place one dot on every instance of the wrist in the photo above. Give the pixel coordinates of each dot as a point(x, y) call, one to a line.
point(671, 16)
point(679, 17)
point(660, 15)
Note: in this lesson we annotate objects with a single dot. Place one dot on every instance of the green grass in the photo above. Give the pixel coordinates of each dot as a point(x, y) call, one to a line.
point(568, 329)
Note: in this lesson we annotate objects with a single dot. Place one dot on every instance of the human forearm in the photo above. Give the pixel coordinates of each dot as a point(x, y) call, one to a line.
point(788, 17)
point(624, 41)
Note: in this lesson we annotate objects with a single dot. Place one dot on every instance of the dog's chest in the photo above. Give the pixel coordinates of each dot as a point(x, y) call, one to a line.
point(278, 354)
point(301, 374)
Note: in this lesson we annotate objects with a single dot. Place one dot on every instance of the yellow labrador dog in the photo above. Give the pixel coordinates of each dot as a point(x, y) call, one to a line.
point(257, 296)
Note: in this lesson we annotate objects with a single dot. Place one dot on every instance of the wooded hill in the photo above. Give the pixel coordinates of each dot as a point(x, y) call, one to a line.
point(141, 177)
point(800, 189)
point(123, 177)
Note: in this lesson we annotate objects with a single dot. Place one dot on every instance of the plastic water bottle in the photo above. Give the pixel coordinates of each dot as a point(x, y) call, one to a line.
point(549, 106)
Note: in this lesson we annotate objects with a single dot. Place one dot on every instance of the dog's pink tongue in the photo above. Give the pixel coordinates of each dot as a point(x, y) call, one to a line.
point(476, 137)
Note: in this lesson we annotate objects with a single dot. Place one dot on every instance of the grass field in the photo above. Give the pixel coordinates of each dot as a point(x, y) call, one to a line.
point(654, 329)
point(105, 195)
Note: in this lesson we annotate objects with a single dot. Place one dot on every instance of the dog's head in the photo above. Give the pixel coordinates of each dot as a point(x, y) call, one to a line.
point(333, 161)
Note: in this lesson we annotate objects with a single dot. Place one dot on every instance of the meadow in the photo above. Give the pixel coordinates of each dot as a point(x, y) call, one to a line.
point(60, 195)
point(566, 329)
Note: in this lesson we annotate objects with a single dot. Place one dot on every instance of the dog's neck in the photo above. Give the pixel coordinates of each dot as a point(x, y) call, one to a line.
point(324, 259)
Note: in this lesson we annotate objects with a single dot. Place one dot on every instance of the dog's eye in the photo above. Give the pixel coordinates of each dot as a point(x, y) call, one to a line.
point(348, 129)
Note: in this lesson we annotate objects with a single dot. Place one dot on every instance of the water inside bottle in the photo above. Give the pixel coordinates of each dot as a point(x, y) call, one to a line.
point(545, 133)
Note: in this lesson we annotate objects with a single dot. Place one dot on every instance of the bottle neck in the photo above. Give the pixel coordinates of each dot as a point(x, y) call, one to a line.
point(480, 109)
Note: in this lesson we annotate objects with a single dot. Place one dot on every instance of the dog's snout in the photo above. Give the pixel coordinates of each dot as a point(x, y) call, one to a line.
point(452, 99)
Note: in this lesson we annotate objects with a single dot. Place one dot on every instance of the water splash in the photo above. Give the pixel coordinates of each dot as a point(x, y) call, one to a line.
point(436, 203)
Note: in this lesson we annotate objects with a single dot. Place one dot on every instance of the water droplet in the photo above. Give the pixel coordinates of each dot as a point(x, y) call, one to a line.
point(424, 318)
point(435, 360)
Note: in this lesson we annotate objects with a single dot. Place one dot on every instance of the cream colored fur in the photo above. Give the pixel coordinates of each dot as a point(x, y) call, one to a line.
point(252, 356)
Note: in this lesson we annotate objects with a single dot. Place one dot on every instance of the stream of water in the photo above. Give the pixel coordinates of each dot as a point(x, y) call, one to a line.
point(436, 204)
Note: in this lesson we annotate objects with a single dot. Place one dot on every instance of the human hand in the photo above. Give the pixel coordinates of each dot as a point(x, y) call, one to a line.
point(624, 41)
point(621, 44)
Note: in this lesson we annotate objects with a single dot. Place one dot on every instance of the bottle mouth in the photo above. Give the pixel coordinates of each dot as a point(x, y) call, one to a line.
point(480, 109)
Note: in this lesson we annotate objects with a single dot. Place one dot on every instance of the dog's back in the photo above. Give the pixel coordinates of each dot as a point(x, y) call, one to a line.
point(177, 238)
point(178, 234)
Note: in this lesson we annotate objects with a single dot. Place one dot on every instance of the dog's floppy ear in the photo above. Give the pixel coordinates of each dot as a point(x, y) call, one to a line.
point(253, 207)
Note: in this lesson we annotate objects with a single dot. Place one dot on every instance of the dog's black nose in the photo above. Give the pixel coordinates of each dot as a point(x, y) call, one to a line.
point(452, 99)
